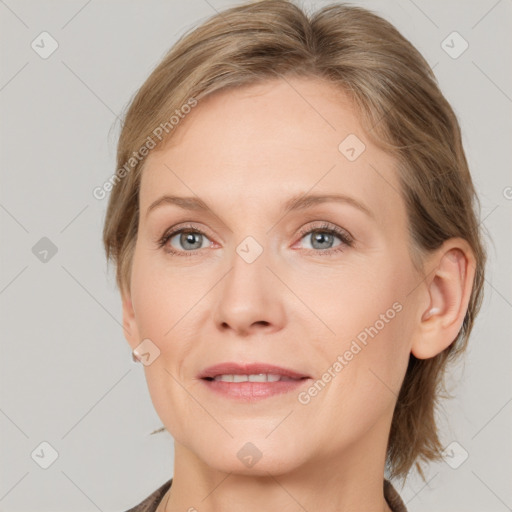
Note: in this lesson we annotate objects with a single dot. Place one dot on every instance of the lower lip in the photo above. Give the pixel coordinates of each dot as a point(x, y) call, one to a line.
point(251, 391)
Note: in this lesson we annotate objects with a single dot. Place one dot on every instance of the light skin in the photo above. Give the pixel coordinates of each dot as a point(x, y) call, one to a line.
point(299, 305)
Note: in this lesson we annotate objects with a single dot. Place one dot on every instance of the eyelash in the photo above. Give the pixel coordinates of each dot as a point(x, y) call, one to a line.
point(346, 239)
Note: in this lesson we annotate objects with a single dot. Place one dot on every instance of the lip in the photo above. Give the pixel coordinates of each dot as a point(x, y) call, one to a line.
point(251, 391)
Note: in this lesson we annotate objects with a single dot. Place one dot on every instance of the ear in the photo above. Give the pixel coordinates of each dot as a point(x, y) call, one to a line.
point(131, 332)
point(446, 294)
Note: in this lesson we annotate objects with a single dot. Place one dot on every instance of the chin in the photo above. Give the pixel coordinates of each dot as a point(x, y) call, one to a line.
point(250, 455)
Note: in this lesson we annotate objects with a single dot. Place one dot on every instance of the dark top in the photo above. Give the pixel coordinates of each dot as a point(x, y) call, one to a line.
point(151, 503)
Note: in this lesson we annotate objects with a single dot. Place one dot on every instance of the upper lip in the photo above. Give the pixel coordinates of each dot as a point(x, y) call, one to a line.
point(248, 369)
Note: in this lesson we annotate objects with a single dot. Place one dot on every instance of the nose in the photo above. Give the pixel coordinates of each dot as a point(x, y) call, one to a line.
point(250, 299)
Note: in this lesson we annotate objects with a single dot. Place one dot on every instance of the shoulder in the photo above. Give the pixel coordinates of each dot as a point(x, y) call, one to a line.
point(150, 504)
point(393, 498)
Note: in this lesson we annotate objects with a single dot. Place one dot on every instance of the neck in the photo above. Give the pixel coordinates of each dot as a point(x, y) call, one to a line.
point(345, 481)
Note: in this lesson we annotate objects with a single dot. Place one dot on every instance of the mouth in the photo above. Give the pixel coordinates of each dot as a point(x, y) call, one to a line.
point(251, 381)
point(254, 377)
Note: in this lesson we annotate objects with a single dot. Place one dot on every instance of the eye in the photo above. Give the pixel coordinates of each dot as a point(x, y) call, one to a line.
point(322, 238)
point(184, 241)
point(188, 240)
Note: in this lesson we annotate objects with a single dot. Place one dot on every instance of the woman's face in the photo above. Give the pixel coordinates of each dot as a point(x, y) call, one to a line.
point(325, 289)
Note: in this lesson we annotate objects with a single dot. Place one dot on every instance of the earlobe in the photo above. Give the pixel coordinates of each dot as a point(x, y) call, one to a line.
point(448, 291)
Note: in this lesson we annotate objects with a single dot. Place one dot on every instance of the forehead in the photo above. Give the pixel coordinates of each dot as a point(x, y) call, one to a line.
point(269, 141)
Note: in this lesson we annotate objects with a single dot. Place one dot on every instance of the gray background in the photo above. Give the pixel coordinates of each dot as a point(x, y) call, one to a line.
point(67, 377)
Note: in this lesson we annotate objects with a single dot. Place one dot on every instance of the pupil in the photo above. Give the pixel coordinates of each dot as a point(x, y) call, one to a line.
point(321, 237)
point(187, 238)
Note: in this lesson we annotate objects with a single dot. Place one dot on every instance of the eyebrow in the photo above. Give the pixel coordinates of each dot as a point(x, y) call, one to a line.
point(297, 202)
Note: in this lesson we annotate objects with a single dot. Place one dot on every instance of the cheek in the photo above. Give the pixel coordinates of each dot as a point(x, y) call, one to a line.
point(371, 363)
point(353, 299)
point(163, 301)
point(160, 294)
point(168, 398)
point(366, 311)
point(371, 348)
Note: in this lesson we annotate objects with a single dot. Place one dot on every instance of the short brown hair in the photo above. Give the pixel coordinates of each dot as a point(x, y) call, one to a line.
point(402, 110)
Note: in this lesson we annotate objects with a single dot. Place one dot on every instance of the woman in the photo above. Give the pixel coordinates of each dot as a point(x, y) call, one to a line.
point(298, 254)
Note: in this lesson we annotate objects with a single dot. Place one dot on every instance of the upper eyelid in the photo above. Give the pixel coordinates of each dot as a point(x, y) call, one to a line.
point(303, 230)
point(326, 226)
point(189, 226)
